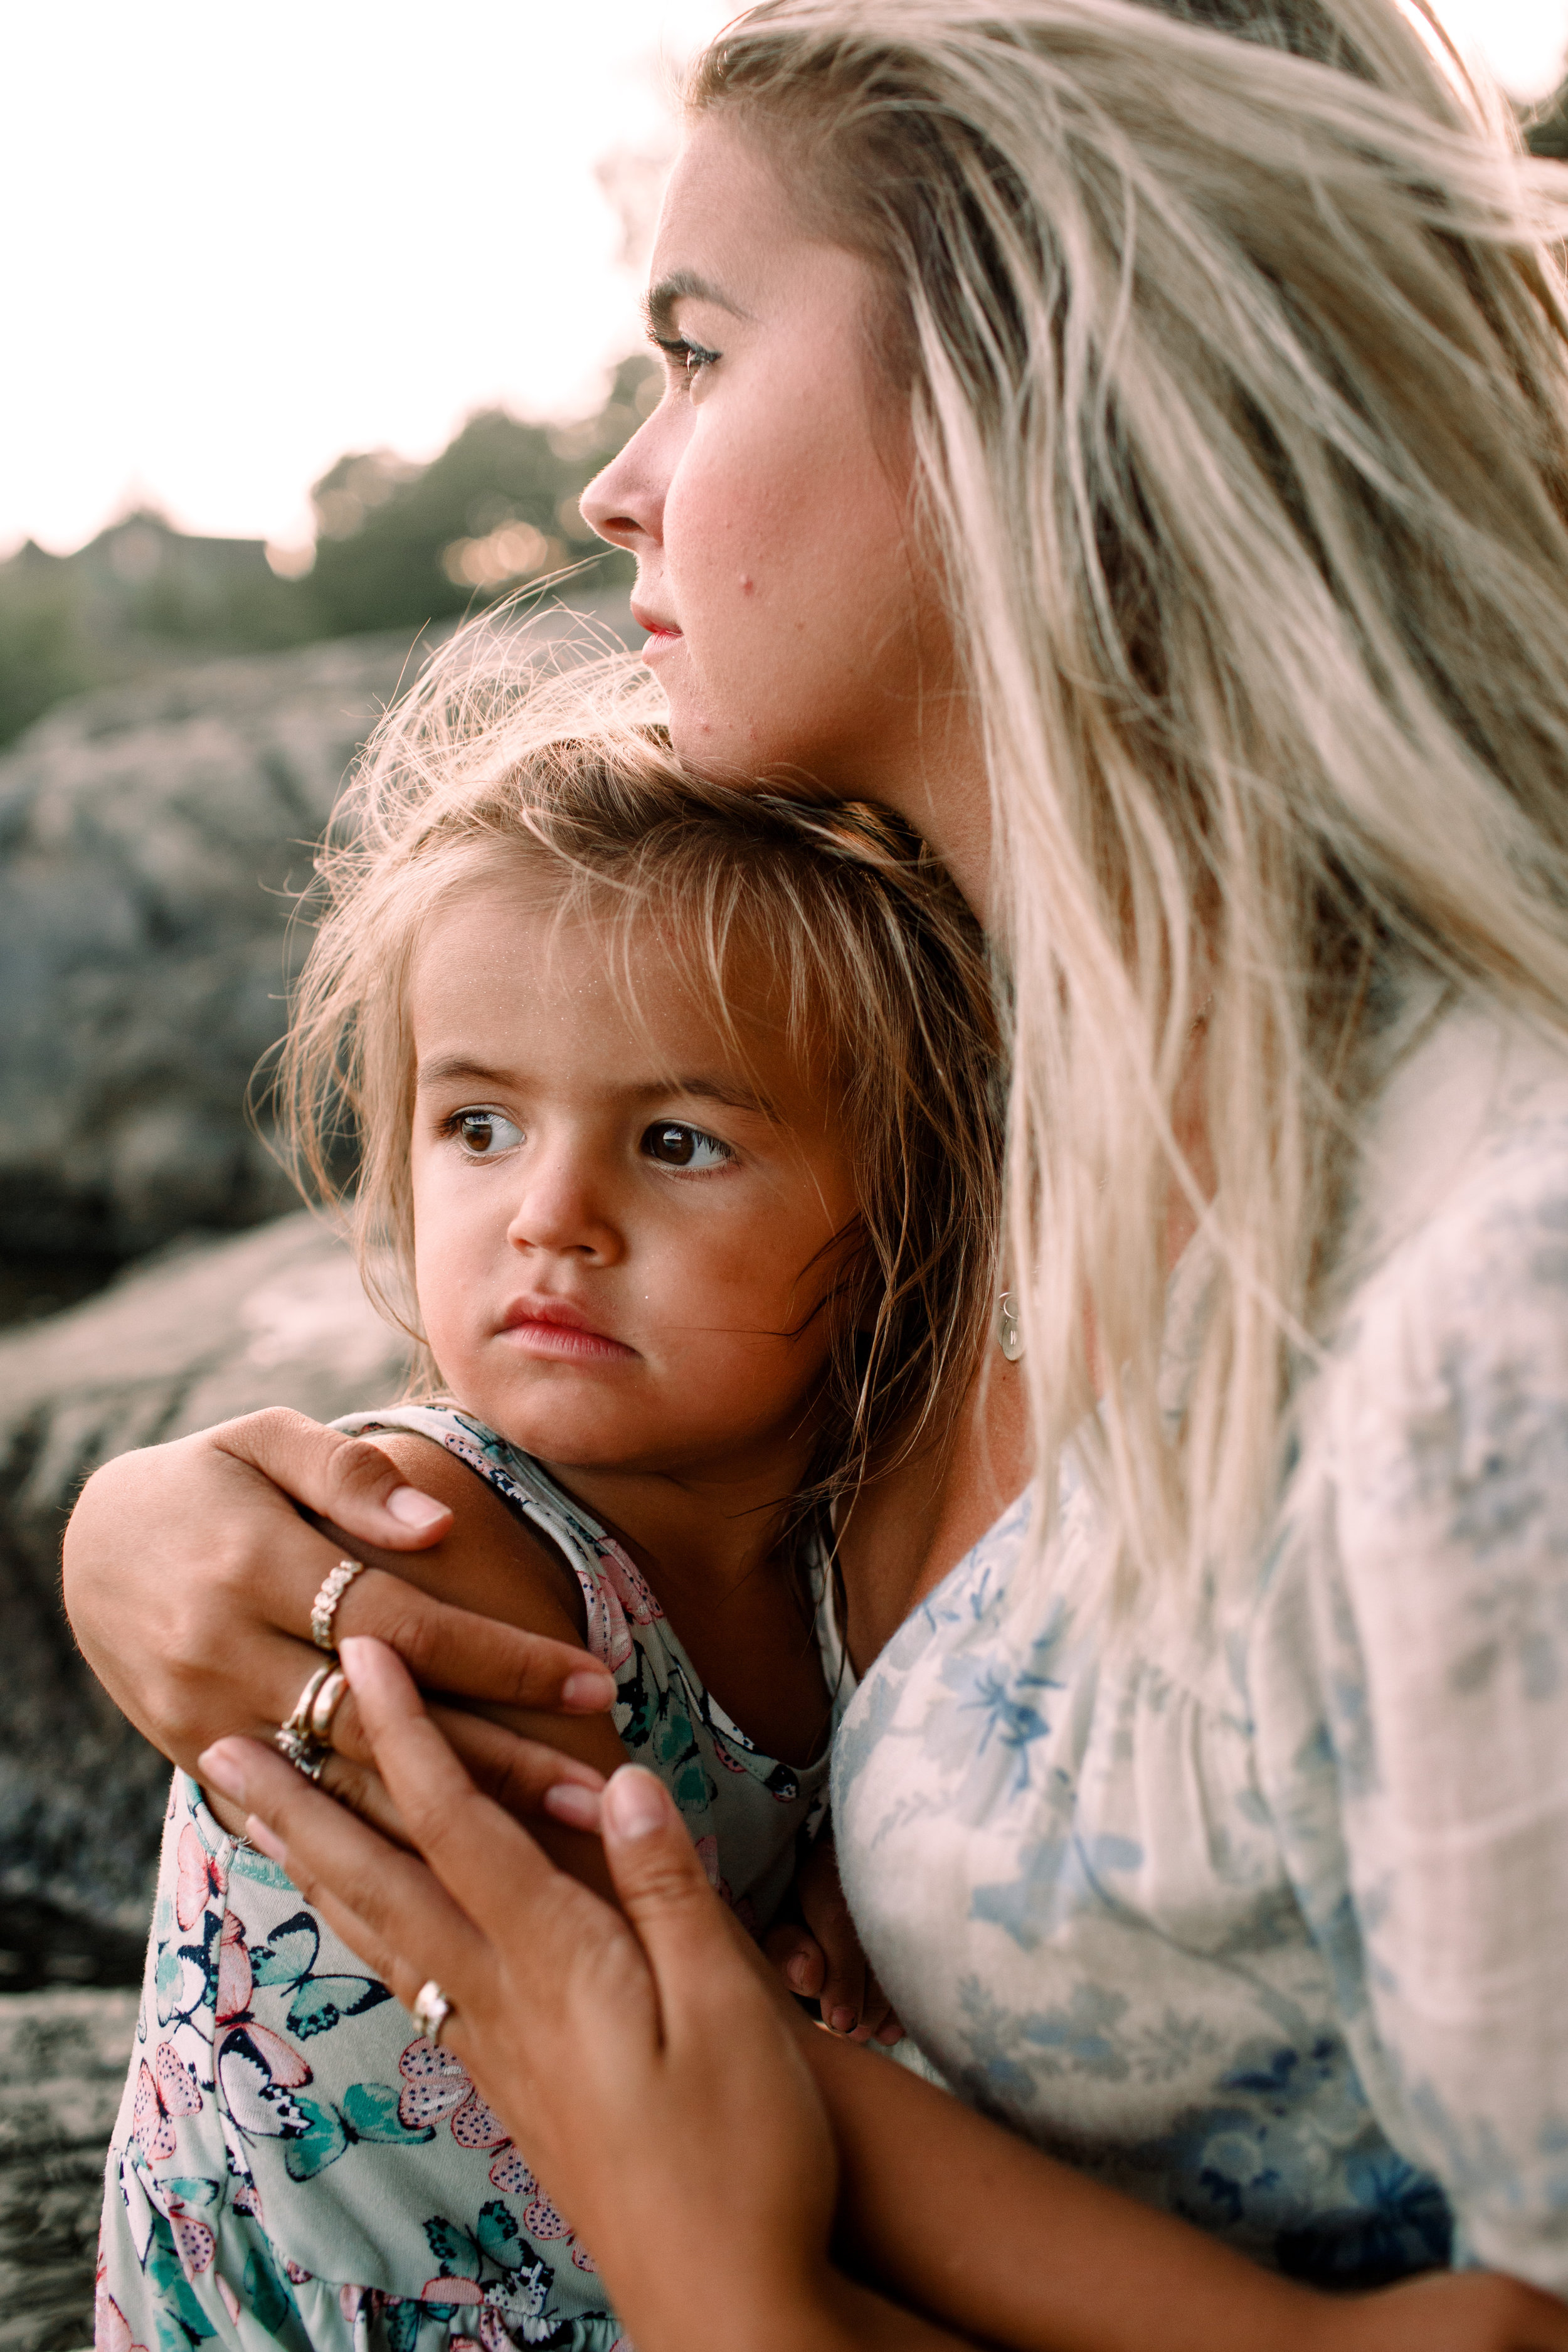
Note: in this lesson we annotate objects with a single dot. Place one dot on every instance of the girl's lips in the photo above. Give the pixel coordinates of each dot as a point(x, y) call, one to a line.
point(552, 1335)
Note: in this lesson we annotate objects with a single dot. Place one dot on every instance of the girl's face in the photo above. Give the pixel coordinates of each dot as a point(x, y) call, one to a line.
point(617, 1220)
point(793, 622)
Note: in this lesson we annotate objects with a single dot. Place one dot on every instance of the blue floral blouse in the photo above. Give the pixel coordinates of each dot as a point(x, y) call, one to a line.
point(1268, 1924)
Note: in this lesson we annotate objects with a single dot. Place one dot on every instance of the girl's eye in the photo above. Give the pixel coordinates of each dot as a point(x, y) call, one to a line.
point(675, 1146)
point(483, 1133)
point(685, 359)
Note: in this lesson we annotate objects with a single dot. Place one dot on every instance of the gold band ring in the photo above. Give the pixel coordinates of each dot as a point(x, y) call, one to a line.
point(297, 1737)
point(324, 1706)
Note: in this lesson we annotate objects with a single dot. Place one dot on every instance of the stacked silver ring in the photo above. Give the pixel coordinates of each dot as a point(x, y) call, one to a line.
point(305, 1735)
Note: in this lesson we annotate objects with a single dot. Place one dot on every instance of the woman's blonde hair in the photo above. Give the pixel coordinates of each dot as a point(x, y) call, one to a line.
point(1233, 341)
point(834, 921)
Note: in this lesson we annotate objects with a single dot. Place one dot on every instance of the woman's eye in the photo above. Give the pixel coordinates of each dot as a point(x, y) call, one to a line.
point(685, 360)
point(483, 1133)
point(673, 1145)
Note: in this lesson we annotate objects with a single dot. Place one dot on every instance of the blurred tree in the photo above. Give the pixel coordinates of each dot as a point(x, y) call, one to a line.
point(1546, 127)
point(398, 545)
point(42, 656)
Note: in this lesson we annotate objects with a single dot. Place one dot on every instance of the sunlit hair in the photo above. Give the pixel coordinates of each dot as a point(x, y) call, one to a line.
point(832, 924)
point(1233, 343)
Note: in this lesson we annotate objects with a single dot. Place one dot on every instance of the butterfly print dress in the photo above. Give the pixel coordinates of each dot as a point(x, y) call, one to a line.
point(293, 2165)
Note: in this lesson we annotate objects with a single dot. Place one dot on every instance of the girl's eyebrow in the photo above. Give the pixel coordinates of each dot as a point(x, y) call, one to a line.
point(660, 301)
point(724, 1091)
point(447, 1068)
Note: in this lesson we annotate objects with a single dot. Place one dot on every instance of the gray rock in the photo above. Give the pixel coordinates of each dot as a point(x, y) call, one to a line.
point(211, 1329)
point(151, 838)
point(62, 2065)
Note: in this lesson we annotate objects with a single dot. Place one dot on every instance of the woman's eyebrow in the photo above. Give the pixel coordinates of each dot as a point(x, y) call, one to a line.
point(660, 301)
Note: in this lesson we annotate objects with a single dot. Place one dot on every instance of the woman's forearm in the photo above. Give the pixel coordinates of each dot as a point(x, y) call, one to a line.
point(969, 2222)
point(973, 2225)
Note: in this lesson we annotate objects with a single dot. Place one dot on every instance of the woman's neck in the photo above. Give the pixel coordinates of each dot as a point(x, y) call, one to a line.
point(908, 1529)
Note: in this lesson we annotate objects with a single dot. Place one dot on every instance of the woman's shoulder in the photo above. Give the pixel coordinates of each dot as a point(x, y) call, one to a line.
point(1428, 1499)
point(1461, 1166)
point(1454, 1263)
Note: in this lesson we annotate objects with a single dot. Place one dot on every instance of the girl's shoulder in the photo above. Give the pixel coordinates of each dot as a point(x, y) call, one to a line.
point(742, 1806)
point(618, 1601)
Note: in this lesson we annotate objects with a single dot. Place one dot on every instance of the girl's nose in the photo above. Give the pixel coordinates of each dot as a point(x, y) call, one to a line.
point(625, 504)
point(560, 1213)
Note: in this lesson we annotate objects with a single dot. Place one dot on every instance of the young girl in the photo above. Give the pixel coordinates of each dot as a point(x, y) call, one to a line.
point(678, 1143)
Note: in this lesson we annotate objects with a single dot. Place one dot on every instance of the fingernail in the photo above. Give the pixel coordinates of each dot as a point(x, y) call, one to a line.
point(842, 2021)
point(590, 1688)
point(570, 1803)
point(798, 1971)
point(260, 1836)
point(412, 1509)
point(364, 1659)
point(222, 1766)
point(634, 1804)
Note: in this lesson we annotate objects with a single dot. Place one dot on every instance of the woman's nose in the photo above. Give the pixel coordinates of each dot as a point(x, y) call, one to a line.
point(625, 504)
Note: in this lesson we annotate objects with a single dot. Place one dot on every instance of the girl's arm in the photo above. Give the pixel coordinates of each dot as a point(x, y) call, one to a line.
point(189, 1574)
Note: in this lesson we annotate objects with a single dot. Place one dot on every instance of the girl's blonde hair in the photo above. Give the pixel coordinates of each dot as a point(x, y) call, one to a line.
point(869, 962)
point(1234, 350)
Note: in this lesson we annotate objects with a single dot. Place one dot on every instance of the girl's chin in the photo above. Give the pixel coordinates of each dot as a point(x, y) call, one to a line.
point(567, 1419)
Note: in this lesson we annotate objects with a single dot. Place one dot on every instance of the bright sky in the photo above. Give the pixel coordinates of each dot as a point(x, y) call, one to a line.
point(241, 240)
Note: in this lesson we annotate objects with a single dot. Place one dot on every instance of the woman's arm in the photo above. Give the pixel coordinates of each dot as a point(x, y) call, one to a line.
point(574, 2035)
point(646, 2066)
point(971, 2223)
point(189, 1575)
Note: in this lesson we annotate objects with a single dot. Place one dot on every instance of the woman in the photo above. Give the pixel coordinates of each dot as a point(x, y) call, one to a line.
point(1130, 441)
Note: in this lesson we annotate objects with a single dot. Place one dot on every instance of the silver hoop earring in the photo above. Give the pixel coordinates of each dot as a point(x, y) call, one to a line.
point(1009, 1337)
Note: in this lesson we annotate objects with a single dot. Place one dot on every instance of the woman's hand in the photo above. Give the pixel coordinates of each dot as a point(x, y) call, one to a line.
point(641, 2064)
point(189, 1577)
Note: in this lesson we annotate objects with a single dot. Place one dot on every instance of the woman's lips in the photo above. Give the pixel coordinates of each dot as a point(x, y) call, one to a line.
point(551, 1328)
point(659, 633)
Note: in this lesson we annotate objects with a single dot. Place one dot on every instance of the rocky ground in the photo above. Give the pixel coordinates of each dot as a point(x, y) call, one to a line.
point(62, 2063)
point(275, 1316)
